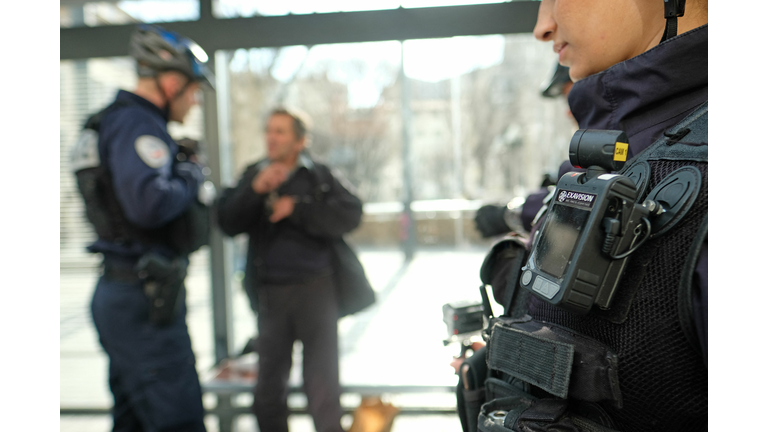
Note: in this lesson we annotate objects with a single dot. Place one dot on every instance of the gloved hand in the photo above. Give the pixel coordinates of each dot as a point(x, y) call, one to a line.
point(188, 150)
point(191, 172)
point(489, 220)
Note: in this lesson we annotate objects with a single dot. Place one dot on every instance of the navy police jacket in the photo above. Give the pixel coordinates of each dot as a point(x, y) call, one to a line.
point(644, 96)
point(661, 373)
point(150, 187)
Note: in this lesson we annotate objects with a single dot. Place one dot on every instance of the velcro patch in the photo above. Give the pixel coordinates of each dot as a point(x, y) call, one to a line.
point(152, 150)
point(85, 153)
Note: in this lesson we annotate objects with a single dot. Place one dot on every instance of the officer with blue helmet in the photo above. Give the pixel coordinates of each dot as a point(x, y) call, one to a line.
point(143, 195)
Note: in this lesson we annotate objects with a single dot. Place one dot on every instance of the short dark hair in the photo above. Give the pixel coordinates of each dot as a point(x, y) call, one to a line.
point(300, 126)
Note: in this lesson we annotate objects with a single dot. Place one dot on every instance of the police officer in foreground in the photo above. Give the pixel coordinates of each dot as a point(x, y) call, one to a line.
point(141, 195)
point(605, 323)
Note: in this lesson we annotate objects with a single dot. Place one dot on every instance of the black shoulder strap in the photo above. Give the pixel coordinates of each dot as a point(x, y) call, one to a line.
point(687, 140)
point(323, 179)
point(94, 121)
point(685, 293)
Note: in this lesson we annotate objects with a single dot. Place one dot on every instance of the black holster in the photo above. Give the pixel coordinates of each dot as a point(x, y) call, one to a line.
point(163, 281)
point(522, 412)
point(470, 392)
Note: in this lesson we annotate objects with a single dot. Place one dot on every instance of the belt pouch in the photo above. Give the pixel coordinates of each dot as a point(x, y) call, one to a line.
point(557, 360)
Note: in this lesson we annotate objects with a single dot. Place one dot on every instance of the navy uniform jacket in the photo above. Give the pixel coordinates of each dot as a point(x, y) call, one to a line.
point(152, 190)
point(661, 374)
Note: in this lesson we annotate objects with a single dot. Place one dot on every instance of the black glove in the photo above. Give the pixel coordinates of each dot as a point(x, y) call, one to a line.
point(489, 220)
point(187, 148)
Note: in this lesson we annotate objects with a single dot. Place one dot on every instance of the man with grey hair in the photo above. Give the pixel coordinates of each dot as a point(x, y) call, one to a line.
point(294, 211)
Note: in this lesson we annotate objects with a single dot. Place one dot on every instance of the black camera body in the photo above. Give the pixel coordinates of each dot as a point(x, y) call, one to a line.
point(592, 225)
point(462, 318)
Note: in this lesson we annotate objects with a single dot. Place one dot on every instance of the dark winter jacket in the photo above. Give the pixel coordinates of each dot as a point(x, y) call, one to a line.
point(298, 247)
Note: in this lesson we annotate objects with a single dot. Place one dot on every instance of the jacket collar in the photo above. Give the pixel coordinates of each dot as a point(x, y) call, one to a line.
point(638, 95)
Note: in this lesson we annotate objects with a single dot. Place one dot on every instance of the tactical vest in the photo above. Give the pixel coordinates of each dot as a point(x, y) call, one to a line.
point(182, 236)
point(637, 366)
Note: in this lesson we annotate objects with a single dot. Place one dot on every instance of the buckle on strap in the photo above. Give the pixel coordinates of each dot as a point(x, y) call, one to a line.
point(555, 359)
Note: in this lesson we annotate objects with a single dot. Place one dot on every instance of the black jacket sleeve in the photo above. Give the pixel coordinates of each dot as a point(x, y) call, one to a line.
point(239, 208)
point(331, 212)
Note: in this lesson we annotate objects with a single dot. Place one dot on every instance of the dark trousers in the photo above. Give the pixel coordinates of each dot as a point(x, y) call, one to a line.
point(152, 372)
point(305, 312)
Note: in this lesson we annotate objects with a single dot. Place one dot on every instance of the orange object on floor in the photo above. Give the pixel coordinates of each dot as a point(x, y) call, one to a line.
point(373, 415)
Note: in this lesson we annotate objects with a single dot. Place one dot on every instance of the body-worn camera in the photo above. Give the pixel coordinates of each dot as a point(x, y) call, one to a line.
point(592, 226)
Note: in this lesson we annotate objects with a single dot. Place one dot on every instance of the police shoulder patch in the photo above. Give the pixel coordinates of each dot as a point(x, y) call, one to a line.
point(152, 150)
point(85, 153)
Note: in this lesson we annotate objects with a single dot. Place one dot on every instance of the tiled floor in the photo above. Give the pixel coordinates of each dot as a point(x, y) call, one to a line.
point(397, 341)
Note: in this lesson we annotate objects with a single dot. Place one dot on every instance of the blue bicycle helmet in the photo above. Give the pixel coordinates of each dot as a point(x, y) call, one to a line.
point(158, 50)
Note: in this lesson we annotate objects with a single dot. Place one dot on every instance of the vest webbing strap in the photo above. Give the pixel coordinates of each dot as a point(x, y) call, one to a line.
point(542, 362)
point(516, 298)
point(692, 143)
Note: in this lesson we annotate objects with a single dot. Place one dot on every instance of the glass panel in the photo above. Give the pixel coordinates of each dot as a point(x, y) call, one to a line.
point(349, 91)
point(475, 106)
point(125, 12)
point(481, 129)
point(558, 239)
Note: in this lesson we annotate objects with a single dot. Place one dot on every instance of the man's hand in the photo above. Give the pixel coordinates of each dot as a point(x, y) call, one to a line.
point(457, 361)
point(270, 178)
point(281, 209)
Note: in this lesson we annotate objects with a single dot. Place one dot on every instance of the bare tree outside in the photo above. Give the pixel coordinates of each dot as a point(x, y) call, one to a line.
point(510, 136)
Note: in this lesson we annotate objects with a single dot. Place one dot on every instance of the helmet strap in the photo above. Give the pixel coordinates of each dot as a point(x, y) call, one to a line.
point(182, 89)
point(166, 105)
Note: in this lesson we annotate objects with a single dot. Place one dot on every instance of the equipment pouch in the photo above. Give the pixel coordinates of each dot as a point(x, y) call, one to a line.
point(190, 231)
point(523, 412)
point(500, 415)
point(555, 359)
point(163, 281)
point(497, 388)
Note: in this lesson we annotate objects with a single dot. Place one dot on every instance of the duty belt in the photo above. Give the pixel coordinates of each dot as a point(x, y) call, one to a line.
point(123, 272)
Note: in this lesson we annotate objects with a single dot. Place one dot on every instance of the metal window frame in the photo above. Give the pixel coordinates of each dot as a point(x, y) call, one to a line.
point(313, 29)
